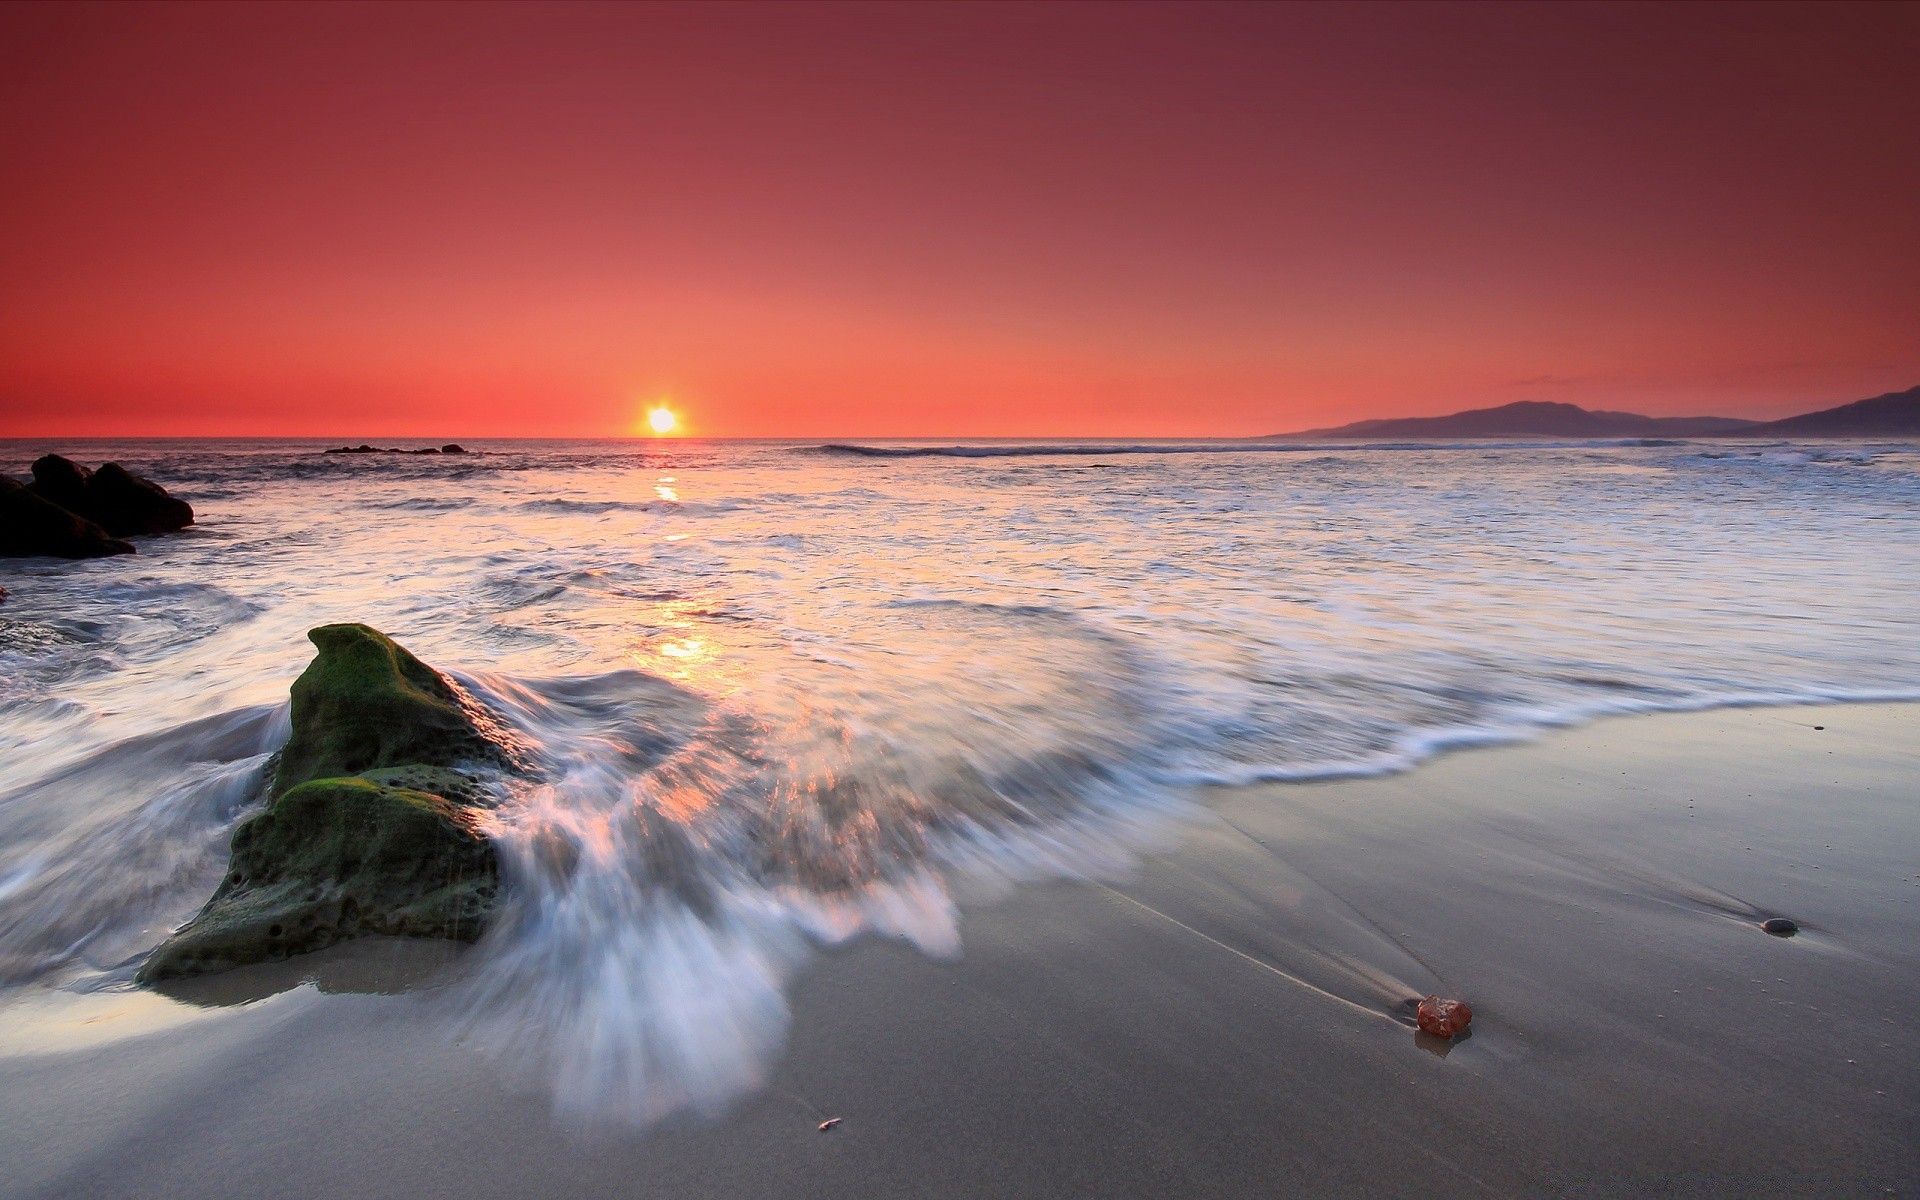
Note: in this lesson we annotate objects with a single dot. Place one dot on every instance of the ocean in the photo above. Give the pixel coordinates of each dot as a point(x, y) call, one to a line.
point(786, 694)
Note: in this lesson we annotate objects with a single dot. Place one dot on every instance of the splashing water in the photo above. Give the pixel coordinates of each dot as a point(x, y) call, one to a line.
point(782, 697)
point(677, 860)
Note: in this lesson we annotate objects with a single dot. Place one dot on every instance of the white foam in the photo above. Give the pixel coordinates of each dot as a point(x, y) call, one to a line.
point(859, 687)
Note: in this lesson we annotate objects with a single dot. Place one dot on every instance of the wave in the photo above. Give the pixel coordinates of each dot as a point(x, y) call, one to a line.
point(679, 858)
point(1414, 747)
point(1079, 449)
point(592, 508)
point(847, 706)
point(104, 854)
point(428, 504)
point(52, 638)
point(674, 860)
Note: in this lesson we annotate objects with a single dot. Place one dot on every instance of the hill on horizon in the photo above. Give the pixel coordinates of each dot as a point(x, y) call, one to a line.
point(1895, 414)
point(1530, 418)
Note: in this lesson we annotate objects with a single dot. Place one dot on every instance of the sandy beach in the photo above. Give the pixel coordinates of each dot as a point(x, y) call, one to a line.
point(1224, 1019)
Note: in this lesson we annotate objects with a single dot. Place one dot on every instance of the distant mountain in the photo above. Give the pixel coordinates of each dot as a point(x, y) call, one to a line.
point(1896, 414)
point(1535, 418)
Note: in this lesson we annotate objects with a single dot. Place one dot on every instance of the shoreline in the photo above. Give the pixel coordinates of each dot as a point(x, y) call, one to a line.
point(1221, 1020)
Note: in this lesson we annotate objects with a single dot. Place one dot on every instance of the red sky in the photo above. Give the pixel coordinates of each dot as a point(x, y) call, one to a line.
point(444, 221)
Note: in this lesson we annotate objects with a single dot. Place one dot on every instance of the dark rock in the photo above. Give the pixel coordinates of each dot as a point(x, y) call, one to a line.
point(453, 448)
point(363, 448)
point(62, 481)
point(1779, 927)
point(30, 524)
point(126, 504)
point(113, 497)
point(371, 828)
point(1443, 1018)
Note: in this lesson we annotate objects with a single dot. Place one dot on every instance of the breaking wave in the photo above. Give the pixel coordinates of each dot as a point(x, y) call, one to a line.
point(784, 699)
point(1303, 446)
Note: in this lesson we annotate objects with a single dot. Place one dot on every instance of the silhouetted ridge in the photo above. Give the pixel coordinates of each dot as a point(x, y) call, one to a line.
point(1896, 414)
point(1531, 418)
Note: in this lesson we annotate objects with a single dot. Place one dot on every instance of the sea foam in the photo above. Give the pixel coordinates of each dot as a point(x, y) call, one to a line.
point(785, 697)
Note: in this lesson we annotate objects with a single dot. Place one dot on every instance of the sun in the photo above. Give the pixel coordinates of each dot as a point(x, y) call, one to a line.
point(661, 420)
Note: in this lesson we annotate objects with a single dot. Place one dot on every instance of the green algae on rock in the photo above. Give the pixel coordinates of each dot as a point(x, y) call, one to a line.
point(335, 859)
point(371, 827)
point(365, 702)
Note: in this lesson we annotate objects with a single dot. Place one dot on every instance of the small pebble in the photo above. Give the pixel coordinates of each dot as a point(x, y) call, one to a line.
point(1443, 1018)
point(1819, 726)
point(1779, 927)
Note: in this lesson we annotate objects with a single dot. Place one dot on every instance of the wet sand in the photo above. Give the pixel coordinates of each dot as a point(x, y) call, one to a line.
point(1223, 1021)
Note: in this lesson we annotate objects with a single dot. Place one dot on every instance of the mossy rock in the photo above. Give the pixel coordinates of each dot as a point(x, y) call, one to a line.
point(333, 859)
point(370, 827)
point(366, 703)
point(454, 786)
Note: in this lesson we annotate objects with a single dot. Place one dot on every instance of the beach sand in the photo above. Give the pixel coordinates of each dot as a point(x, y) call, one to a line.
point(1222, 1021)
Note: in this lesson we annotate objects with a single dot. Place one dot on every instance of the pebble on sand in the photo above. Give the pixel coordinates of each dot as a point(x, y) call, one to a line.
point(1779, 927)
point(1444, 1018)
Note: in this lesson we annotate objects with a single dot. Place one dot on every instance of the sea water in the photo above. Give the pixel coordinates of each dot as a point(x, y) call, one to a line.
point(784, 694)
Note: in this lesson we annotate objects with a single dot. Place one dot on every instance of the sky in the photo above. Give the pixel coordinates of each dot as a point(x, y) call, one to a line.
point(367, 221)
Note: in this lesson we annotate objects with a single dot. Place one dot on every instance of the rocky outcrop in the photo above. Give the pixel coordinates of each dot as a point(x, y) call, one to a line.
point(71, 512)
point(31, 525)
point(363, 448)
point(61, 481)
point(374, 819)
point(336, 859)
point(127, 505)
point(114, 498)
point(365, 703)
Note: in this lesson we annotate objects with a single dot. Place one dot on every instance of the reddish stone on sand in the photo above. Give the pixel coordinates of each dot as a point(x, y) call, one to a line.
point(1444, 1018)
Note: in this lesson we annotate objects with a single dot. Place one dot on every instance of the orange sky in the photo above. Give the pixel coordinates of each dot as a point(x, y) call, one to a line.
point(363, 221)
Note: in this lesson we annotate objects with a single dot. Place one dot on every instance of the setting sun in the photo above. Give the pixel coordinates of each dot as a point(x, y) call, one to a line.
point(660, 419)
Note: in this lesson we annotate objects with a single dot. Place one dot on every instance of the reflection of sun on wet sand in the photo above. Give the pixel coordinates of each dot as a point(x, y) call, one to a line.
point(1227, 1019)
